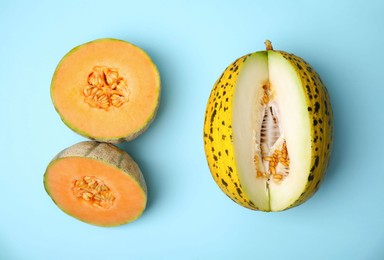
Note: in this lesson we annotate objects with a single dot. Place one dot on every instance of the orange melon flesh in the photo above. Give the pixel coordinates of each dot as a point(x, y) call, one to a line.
point(130, 199)
point(115, 123)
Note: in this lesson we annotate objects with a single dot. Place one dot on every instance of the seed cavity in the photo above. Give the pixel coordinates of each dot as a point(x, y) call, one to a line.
point(105, 88)
point(93, 191)
point(271, 154)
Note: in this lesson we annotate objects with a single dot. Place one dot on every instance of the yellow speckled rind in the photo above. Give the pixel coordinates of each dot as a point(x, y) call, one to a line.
point(218, 143)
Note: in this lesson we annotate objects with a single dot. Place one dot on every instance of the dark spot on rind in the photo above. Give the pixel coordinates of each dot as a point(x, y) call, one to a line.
point(299, 67)
point(224, 183)
point(310, 177)
point(213, 115)
point(308, 89)
point(315, 164)
point(239, 192)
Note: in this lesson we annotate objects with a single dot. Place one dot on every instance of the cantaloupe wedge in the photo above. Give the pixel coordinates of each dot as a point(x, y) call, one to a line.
point(107, 90)
point(96, 183)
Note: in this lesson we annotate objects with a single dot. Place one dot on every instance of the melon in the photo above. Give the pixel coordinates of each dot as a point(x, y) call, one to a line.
point(268, 130)
point(96, 183)
point(106, 90)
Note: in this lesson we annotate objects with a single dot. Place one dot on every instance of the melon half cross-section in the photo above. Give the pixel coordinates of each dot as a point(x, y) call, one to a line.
point(96, 183)
point(107, 90)
point(268, 130)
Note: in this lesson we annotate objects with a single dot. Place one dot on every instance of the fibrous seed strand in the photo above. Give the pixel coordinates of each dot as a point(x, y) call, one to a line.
point(273, 152)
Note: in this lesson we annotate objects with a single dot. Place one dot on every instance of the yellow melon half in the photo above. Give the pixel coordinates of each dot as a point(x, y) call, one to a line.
point(107, 90)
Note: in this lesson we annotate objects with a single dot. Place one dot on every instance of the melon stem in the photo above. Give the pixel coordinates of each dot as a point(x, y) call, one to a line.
point(268, 45)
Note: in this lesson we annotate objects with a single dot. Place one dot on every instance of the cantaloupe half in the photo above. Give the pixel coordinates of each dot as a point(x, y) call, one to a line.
point(107, 90)
point(96, 183)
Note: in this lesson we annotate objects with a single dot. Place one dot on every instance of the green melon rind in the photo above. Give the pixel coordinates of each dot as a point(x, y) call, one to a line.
point(112, 139)
point(108, 154)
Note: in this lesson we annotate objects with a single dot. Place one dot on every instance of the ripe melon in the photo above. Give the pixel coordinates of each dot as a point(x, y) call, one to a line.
point(107, 90)
point(268, 130)
point(96, 183)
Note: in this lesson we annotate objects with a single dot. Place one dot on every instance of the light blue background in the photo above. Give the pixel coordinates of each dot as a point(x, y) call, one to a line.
point(188, 217)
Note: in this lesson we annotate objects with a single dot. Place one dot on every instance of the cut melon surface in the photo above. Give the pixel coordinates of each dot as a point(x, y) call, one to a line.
point(294, 127)
point(96, 183)
point(245, 121)
point(268, 131)
point(107, 90)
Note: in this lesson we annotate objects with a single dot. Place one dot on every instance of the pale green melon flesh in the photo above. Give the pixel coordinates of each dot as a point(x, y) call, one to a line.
point(295, 123)
point(245, 123)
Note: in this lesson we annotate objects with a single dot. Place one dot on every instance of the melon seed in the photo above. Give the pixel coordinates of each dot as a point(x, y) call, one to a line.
point(105, 88)
point(93, 191)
